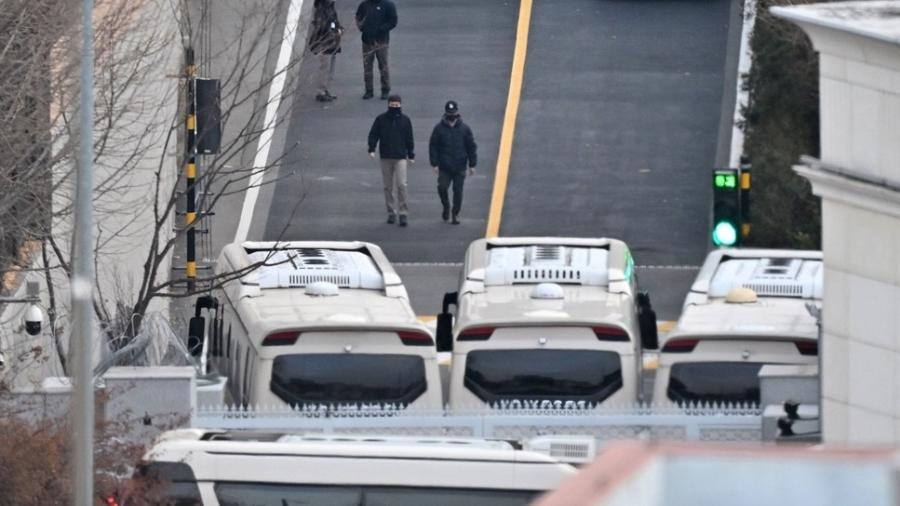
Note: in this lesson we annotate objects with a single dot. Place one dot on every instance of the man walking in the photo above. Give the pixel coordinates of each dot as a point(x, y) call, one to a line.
point(325, 43)
point(452, 149)
point(392, 132)
point(376, 19)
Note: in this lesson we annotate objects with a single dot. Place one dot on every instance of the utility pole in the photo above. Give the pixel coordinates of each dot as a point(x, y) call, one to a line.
point(81, 284)
point(190, 215)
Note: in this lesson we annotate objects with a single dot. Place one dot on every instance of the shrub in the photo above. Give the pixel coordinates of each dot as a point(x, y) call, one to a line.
point(781, 122)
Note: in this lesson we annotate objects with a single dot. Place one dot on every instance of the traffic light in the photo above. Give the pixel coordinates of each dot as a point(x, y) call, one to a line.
point(209, 116)
point(727, 230)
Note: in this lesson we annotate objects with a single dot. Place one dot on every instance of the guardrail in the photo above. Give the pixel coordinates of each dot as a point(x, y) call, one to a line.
point(649, 422)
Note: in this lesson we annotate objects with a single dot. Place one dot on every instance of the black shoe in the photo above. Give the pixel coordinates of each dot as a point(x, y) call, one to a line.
point(385, 94)
point(391, 219)
point(330, 96)
point(402, 220)
point(445, 214)
point(324, 97)
point(368, 95)
point(455, 220)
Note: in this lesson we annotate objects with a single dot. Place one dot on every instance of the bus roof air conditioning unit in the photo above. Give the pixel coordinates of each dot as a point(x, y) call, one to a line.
point(300, 268)
point(769, 277)
point(510, 265)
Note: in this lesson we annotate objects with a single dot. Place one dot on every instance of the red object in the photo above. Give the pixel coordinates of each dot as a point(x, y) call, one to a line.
point(610, 333)
point(284, 338)
point(415, 338)
point(807, 346)
point(680, 346)
point(476, 334)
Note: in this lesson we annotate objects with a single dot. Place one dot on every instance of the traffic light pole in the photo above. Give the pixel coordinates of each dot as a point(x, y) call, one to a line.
point(190, 215)
point(744, 172)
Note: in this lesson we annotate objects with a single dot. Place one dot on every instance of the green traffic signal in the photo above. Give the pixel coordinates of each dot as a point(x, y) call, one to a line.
point(725, 181)
point(725, 234)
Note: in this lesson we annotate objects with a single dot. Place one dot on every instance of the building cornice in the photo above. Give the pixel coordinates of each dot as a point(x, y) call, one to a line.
point(866, 31)
point(848, 187)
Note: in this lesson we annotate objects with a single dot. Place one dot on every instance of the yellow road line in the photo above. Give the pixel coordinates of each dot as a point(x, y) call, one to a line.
point(509, 120)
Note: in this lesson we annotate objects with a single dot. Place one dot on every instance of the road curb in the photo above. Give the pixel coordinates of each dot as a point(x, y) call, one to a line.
point(745, 59)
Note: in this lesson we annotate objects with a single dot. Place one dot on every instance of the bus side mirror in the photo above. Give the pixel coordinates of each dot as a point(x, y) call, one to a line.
point(444, 332)
point(647, 322)
point(196, 333)
point(450, 298)
point(197, 325)
point(205, 302)
point(445, 322)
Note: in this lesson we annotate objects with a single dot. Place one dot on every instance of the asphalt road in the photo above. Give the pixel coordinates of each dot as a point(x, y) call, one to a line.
point(625, 108)
point(460, 50)
point(617, 129)
point(619, 126)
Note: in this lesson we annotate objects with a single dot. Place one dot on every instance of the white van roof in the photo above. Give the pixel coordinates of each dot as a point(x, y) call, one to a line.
point(768, 272)
point(315, 285)
point(784, 281)
point(337, 459)
point(510, 281)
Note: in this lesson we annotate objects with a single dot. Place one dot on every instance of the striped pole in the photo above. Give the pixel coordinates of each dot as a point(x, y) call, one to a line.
point(191, 173)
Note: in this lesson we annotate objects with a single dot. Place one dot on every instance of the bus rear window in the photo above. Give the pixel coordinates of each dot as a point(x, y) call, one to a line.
point(336, 379)
point(534, 374)
point(714, 382)
point(245, 494)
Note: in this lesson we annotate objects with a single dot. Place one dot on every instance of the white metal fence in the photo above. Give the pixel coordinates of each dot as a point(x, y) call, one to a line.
point(691, 423)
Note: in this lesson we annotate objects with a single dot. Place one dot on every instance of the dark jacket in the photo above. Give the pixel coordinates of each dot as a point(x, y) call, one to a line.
point(325, 33)
point(394, 135)
point(376, 19)
point(452, 148)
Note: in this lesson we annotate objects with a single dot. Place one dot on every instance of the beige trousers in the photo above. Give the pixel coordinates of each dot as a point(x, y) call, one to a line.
point(393, 173)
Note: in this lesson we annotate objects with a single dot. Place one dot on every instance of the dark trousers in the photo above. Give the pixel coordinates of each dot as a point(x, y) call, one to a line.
point(445, 177)
point(370, 53)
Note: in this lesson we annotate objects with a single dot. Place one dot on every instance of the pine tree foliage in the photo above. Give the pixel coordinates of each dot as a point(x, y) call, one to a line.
point(781, 123)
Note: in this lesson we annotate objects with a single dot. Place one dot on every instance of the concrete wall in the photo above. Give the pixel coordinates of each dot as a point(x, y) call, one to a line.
point(142, 402)
point(137, 153)
point(858, 179)
point(136, 164)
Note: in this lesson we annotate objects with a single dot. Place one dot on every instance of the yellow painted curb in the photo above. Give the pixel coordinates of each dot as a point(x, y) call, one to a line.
point(665, 326)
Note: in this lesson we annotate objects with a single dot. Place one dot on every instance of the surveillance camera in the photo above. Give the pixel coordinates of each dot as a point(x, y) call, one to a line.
point(34, 317)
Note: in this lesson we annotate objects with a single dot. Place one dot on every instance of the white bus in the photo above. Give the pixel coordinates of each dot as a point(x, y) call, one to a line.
point(216, 468)
point(747, 308)
point(316, 324)
point(546, 322)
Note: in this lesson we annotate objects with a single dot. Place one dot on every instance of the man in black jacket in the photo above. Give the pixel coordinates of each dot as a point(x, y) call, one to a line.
point(452, 149)
point(325, 43)
point(376, 19)
point(392, 132)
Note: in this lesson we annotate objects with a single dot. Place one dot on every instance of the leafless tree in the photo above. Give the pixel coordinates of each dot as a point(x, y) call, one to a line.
point(138, 130)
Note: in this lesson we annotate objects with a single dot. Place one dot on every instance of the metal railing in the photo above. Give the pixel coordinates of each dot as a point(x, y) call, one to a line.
point(638, 421)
